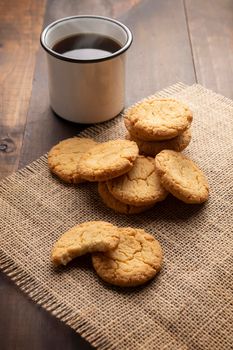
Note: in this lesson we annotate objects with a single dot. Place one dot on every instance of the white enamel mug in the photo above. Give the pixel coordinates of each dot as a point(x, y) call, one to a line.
point(86, 91)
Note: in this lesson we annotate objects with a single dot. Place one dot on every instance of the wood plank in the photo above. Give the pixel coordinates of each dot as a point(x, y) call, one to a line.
point(26, 326)
point(159, 56)
point(211, 27)
point(19, 30)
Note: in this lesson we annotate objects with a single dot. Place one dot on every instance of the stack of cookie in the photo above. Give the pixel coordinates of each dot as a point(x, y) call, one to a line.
point(130, 183)
point(158, 124)
point(125, 257)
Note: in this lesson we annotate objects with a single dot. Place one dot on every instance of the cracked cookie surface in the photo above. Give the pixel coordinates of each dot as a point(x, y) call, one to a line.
point(88, 237)
point(137, 259)
point(118, 206)
point(157, 119)
point(151, 148)
point(141, 186)
point(63, 158)
point(108, 160)
point(182, 177)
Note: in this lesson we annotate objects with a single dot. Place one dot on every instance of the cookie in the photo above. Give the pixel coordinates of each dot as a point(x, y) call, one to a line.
point(182, 177)
point(151, 148)
point(157, 119)
point(88, 237)
point(111, 202)
point(108, 160)
point(137, 259)
point(140, 186)
point(63, 158)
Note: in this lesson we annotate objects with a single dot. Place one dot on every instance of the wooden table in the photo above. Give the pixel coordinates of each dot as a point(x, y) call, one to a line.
point(174, 40)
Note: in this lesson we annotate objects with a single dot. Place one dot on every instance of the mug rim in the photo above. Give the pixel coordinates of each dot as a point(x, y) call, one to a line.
point(78, 60)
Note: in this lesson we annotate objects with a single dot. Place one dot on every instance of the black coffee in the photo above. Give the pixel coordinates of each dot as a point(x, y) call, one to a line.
point(86, 46)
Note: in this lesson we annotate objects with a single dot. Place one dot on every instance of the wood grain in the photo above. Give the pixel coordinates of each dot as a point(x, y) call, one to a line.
point(161, 53)
point(19, 30)
point(211, 33)
point(26, 326)
point(160, 56)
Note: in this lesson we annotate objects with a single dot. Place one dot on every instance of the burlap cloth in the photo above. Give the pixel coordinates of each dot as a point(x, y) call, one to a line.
point(189, 304)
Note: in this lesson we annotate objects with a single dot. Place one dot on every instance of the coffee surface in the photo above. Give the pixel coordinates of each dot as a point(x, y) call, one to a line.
point(86, 46)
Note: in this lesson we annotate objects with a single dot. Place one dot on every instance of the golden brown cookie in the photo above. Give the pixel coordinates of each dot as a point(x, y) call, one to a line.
point(140, 186)
point(111, 202)
point(88, 237)
point(151, 148)
point(182, 177)
point(63, 158)
point(108, 160)
point(137, 259)
point(157, 119)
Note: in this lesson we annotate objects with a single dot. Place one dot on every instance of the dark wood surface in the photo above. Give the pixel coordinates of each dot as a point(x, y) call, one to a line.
point(174, 40)
point(19, 30)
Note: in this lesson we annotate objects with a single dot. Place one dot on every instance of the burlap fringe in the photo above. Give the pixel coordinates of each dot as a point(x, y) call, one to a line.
point(37, 293)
